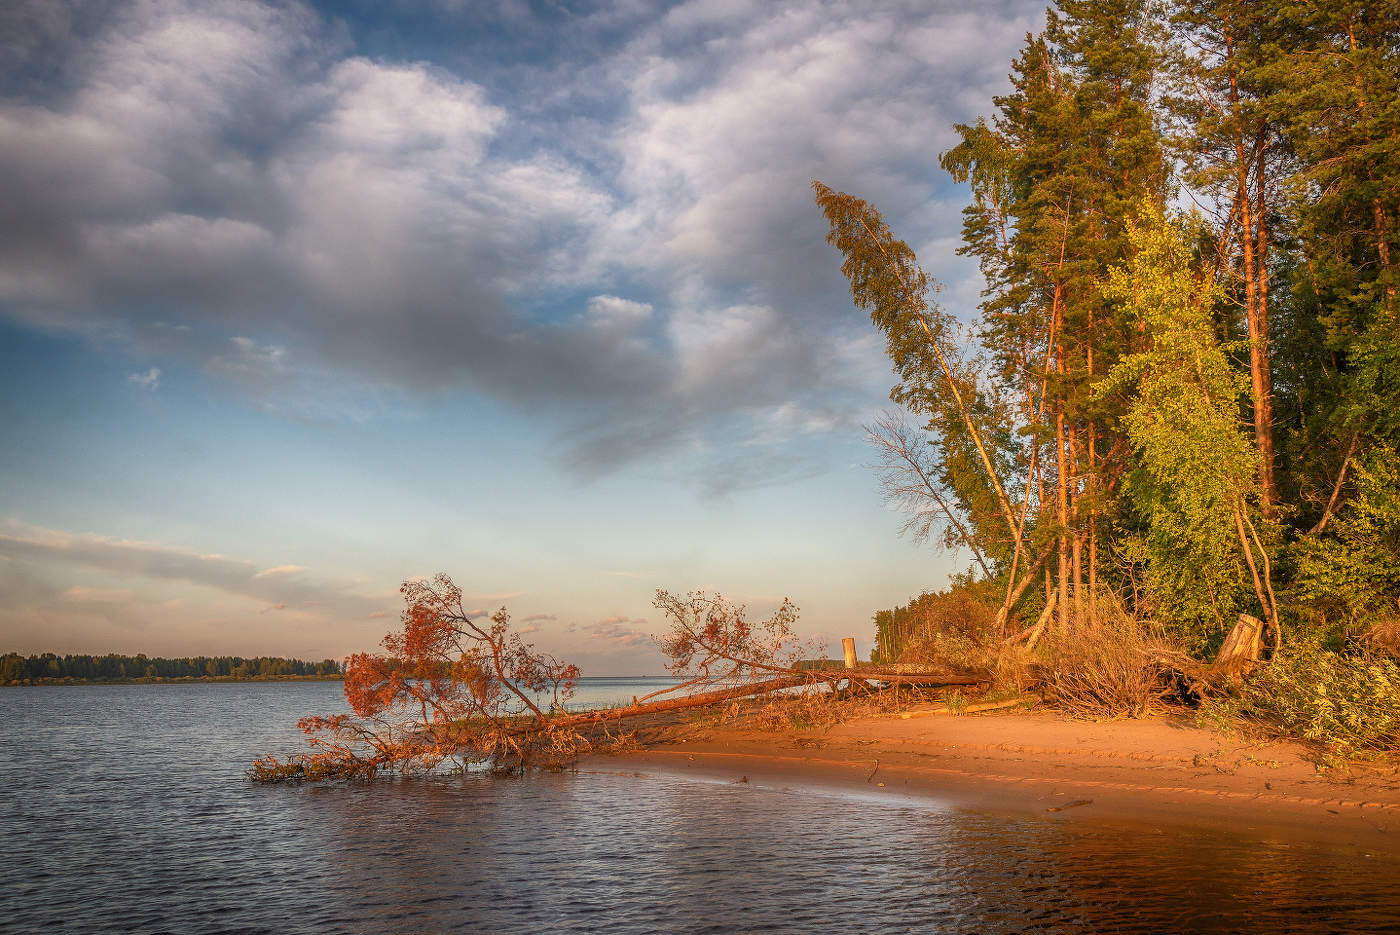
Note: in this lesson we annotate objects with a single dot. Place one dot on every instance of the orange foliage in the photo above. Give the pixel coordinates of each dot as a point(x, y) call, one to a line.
point(711, 640)
point(450, 686)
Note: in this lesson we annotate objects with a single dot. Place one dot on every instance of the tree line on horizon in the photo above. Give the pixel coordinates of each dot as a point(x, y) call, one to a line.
point(113, 667)
point(1182, 387)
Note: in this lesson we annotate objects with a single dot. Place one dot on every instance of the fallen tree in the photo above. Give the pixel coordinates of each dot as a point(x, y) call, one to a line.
point(457, 689)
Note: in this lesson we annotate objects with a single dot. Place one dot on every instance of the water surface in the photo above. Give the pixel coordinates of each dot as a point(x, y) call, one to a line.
point(125, 810)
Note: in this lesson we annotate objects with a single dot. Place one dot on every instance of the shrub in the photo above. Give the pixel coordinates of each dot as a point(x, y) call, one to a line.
point(1384, 636)
point(1346, 703)
point(1355, 566)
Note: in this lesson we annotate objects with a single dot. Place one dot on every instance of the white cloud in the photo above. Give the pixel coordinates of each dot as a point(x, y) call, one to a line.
point(149, 380)
point(610, 313)
point(279, 570)
point(155, 562)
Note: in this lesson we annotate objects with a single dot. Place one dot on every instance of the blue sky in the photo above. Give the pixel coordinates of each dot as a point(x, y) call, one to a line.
point(297, 301)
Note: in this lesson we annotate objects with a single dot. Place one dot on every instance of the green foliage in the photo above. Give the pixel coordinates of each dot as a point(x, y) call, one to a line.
point(1346, 703)
point(1110, 382)
point(970, 426)
point(950, 626)
point(1355, 566)
point(1195, 464)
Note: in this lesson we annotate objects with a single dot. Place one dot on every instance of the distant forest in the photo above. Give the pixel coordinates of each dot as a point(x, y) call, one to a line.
point(49, 667)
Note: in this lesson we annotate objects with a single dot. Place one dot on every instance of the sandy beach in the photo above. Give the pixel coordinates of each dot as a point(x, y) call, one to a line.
point(1155, 771)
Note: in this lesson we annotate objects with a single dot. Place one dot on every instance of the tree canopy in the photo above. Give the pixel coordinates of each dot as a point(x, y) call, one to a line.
point(1182, 387)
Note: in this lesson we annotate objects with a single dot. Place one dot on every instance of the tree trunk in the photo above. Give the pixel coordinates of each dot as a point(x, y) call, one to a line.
point(1077, 540)
point(1259, 357)
point(1093, 540)
point(1062, 490)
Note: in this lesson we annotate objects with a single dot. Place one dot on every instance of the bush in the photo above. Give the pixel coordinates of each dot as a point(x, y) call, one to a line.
point(1355, 566)
point(1348, 704)
point(1384, 637)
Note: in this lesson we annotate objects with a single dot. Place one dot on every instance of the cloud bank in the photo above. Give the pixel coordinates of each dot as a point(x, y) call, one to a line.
point(615, 236)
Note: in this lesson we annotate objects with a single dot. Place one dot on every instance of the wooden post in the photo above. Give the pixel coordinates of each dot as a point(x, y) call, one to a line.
point(848, 646)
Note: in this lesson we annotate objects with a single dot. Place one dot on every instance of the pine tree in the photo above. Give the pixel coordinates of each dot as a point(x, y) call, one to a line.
point(1071, 152)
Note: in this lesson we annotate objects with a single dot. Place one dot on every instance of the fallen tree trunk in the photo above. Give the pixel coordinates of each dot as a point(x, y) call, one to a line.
point(701, 699)
point(453, 688)
point(697, 700)
point(935, 680)
point(1238, 655)
point(969, 709)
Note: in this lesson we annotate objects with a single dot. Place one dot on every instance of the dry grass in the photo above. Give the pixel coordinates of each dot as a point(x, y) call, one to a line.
point(1384, 637)
point(1104, 666)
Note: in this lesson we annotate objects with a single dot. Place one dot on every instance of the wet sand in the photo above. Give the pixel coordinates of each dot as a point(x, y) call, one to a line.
point(1153, 771)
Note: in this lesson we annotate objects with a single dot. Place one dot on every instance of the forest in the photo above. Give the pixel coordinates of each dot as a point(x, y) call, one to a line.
point(1176, 409)
point(16, 669)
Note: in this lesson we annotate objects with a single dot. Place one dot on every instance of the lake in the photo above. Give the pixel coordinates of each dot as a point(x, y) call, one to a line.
point(125, 810)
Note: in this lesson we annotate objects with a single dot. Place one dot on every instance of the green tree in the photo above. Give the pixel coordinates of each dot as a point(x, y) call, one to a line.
point(1195, 486)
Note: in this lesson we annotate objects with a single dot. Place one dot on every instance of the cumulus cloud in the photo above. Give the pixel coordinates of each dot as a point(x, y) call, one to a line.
point(540, 618)
point(621, 237)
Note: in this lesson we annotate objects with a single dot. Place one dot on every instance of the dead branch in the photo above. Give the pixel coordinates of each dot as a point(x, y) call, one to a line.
point(1337, 487)
point(907, 482)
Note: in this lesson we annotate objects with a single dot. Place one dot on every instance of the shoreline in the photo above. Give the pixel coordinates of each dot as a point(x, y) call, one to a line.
point(172, 680)
point(1155, 771)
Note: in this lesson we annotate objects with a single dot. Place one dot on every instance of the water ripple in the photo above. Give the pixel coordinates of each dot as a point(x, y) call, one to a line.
point(125, 811)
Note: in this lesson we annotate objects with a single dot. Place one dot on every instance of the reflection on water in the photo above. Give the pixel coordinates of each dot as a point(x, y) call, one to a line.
point(125, 811)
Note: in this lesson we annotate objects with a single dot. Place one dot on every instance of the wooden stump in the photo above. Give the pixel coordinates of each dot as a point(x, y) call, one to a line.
point(1240, 652)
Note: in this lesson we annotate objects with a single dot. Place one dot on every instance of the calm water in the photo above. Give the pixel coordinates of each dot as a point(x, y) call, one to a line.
point(124, 809)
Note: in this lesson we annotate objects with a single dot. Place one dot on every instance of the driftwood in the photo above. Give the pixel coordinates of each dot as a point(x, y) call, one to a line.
point(916, 679)
point(969, 709)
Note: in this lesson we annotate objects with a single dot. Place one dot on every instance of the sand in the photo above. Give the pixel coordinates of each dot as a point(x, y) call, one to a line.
point(1155, 771)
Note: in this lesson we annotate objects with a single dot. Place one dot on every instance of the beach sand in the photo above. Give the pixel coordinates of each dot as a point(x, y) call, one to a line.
point(1153, 771)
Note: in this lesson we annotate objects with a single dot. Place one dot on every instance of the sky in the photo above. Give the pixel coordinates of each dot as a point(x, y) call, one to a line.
point(298, 301)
